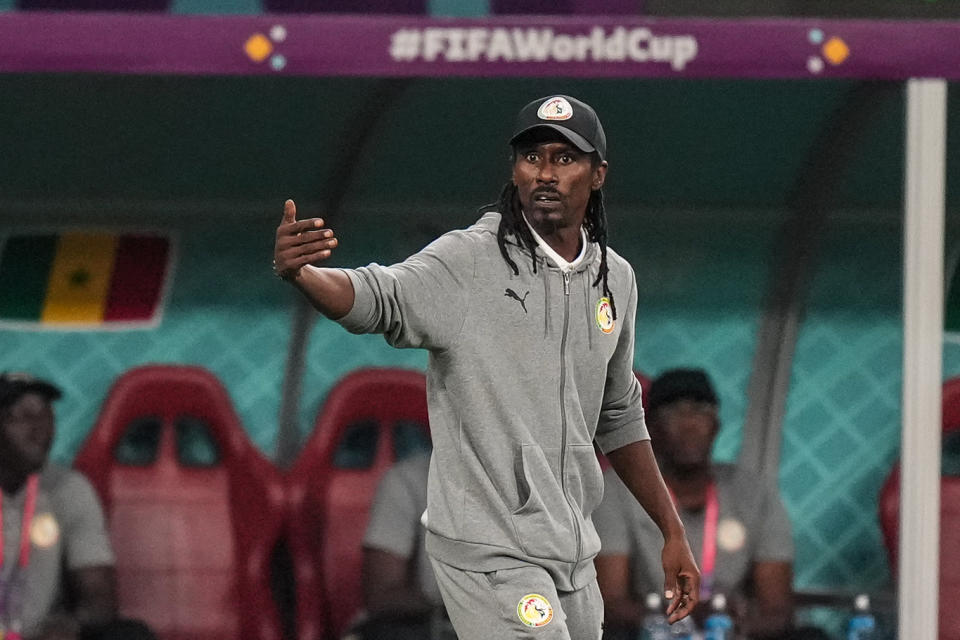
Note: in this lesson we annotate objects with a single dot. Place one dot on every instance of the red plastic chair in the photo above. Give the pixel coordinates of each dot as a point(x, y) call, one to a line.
point(193, 541)
point(332, 484)
point(949, 522)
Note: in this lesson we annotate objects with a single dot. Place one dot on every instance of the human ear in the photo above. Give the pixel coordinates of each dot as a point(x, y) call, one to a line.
point(599, 176)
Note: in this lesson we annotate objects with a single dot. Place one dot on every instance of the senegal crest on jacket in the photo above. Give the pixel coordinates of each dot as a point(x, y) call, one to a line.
point(604, 315)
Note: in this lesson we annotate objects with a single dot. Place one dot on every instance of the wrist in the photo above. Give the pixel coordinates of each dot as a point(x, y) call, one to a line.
point(674, 531)
point(297, 277)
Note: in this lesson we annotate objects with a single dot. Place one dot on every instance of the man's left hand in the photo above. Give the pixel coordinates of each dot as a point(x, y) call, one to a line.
point(682, 586)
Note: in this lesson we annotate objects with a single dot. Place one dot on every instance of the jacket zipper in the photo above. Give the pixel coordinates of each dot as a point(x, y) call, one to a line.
point(563, 422)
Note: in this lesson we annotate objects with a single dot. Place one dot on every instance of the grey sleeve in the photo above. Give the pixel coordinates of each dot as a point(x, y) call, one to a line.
point(84, 531)
point(775, 542)
point(621, 416)
point(420, 302)
point(394, 517)
point(610, 518)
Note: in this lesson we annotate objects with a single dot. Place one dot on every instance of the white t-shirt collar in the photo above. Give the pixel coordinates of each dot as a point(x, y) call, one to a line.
point(553, 255)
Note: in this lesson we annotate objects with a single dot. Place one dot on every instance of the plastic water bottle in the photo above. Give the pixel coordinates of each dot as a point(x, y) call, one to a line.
point(685, 629)
point(719, 624)
point(862, 625)
point(655, 625)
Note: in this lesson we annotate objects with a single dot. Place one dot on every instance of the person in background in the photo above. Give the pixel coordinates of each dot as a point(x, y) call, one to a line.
point(736, 522)
point(56, 565)
point(400, 594)
point(54, 536)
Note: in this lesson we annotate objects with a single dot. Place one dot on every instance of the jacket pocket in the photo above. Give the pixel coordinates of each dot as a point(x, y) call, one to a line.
point(544, 523)
point(584, 479)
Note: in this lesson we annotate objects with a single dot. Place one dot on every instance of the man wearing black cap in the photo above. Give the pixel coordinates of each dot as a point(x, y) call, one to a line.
point(735, 521)
point(531, 363)
point(53, 533)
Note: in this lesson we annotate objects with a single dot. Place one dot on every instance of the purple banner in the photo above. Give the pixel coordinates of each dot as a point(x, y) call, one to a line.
point(582, 46)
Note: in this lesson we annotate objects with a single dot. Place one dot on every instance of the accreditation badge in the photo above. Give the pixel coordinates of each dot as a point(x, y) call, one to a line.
point(44, 531)
point(731, 535)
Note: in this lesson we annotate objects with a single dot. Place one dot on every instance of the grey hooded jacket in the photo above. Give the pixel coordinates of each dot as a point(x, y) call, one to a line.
point(525, 372)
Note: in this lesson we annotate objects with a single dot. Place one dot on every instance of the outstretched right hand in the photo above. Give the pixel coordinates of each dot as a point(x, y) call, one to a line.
point(299, 243)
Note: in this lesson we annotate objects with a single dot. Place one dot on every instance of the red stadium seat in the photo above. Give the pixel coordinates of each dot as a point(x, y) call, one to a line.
point(949, 521)
point(371, 418)
point(194, 509)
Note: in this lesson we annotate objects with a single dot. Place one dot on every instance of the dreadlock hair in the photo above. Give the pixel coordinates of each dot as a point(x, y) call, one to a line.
point(512, 223)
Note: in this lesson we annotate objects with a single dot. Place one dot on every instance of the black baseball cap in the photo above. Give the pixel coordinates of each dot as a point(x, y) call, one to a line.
point(574, 120)
point(681, 384)
point(13, 385)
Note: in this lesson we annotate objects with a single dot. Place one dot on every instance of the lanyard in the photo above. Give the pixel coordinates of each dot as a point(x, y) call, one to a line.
point(29, 505)
point(10, 603)
point(708, 555)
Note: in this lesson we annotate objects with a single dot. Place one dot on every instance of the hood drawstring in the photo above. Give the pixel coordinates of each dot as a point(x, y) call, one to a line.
point(587, 279)
point(545, 277)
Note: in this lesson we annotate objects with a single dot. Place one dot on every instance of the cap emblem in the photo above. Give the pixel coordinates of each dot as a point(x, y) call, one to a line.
point(555, 109)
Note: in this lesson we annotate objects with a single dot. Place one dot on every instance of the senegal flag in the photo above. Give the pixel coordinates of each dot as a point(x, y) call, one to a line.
point(82, 279)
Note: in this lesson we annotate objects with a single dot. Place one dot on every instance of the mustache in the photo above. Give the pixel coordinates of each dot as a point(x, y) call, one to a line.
point(545, 191)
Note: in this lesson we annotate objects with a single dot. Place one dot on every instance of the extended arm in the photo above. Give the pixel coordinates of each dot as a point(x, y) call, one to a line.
point(300, 243)
point(637, 467)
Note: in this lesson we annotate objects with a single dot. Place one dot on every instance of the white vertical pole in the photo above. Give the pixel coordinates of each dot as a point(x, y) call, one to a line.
point(923, 288)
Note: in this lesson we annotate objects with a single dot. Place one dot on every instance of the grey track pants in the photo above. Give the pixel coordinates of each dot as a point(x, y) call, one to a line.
point(519, 603)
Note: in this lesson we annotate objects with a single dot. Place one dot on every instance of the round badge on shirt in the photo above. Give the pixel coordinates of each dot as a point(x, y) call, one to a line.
point(604, 315)
point(534, 610)
point(731, 534)
point(44, 531)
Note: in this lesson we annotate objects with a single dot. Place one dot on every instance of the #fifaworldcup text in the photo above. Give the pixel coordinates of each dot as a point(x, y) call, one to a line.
point(519, 44)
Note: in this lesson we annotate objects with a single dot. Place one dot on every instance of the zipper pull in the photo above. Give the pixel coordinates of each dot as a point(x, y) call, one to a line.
point(566, 283)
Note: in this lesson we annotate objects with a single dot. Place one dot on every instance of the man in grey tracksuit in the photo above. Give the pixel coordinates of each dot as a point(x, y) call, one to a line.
point(530, 363)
